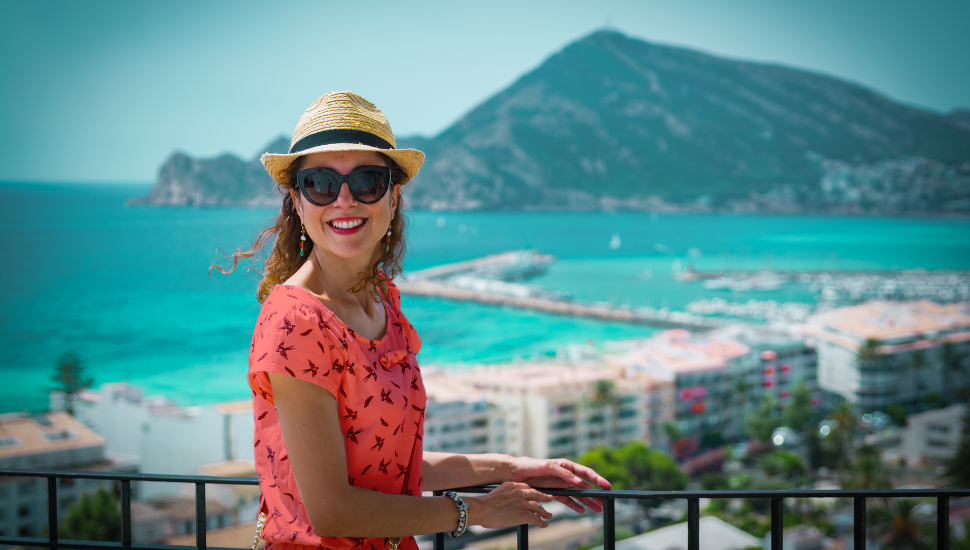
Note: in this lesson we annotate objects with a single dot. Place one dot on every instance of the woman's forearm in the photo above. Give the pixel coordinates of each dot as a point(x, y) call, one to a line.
point(448, 470)
point(363, 513)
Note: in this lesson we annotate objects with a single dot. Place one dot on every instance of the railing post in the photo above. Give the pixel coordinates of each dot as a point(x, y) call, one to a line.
point(200, 516)
point(859, 523)
point(943, 523)
point(777, 523)
point(609, 524)
point(693, 524)
point(523, 536)
point(52, 511)
point(126, 512)
point(439, 538)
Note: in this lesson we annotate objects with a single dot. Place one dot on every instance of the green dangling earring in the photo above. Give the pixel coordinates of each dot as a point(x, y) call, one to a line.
point(387, 246)
point(302, 237)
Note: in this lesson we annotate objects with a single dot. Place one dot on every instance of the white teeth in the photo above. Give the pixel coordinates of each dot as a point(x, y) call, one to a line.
point(347, 224)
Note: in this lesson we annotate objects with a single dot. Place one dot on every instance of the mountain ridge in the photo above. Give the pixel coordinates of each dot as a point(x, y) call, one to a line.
point(611, 122)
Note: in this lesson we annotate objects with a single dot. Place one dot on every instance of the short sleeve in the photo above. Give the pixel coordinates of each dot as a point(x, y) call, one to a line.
point(293, 340)
point(402, 323)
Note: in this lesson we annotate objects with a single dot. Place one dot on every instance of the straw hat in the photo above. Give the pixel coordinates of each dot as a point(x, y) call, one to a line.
point(342, 121)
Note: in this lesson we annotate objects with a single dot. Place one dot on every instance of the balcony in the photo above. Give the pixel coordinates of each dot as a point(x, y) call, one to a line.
point(609, 512)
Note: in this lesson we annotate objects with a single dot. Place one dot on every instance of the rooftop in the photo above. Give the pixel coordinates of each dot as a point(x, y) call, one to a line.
point(891, 322)
point(714, 534)
point(23, 434)
point(229, 468)
point(680, 352)
point(539, 378)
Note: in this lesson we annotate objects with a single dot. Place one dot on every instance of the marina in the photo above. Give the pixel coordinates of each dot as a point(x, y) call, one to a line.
point(488, 280)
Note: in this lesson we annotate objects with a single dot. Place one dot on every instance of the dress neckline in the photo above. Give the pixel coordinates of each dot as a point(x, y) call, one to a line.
point(387, 315)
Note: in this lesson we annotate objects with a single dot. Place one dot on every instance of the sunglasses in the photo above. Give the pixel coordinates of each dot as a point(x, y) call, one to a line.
point(320, 186)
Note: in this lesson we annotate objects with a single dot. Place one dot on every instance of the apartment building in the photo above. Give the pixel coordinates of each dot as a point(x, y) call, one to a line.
point(932, 437)
point(458, 417)
point(53, 441)
point(162, 437)
point(554, 409)
point(715, 379)
point(890, 352)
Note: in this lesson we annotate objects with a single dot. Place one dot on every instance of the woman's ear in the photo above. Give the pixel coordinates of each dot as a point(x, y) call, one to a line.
point(295, 197)
point(395, 196)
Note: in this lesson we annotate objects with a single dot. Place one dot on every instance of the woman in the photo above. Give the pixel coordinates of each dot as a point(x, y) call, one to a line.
point(337, 392)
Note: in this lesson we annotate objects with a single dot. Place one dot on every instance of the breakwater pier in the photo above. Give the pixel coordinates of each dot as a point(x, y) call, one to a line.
point(487, 280)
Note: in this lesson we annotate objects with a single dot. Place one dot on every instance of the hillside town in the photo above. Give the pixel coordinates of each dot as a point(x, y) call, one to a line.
point(872, 395)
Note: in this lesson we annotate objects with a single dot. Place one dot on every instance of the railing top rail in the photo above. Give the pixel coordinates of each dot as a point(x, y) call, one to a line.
point(595, 493)
point(118, 476)
point(779, 493)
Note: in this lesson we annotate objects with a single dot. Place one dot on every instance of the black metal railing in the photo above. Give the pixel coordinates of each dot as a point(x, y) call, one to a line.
point(776, 497)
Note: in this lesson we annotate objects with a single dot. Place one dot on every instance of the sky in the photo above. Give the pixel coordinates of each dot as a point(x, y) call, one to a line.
point(105, 91)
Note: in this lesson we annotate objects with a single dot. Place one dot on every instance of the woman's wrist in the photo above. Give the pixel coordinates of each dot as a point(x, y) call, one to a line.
point(474, 509)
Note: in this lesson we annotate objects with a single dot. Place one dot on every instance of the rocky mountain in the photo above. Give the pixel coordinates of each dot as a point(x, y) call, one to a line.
point(612, 122)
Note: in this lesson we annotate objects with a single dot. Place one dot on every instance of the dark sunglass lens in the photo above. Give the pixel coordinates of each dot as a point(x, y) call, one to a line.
point(369, 186)
point(321, 187)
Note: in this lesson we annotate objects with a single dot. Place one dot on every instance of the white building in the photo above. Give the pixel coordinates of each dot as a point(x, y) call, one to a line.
point(921, 348)
point(163, 438)
point(53, 441)
point(550, 408)
point(458, 417)
point(932, 437)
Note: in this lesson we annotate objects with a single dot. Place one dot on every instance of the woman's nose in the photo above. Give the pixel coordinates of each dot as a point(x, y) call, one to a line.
point(344, 196)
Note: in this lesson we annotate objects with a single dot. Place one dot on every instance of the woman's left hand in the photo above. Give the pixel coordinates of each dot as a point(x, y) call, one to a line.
point(559, 473)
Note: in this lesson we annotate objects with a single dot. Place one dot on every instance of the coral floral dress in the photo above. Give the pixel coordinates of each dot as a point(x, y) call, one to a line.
point(380, 397)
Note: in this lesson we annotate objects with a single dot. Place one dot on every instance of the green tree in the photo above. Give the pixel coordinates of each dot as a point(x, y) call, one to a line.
point(847, 418)
point(762, 422)
point(868, 471)
point(70, 378)
point(636, 466)
point(952, 365)
point(96, 517)
point(868, 353)
point(916, 363)
point(897, 413)
point(798, 411)
point(781, 463)
point(604, 396)
point(958, 468)
point(903, 532)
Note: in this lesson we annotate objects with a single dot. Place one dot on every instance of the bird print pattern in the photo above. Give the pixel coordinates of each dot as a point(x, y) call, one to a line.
point(380, 396)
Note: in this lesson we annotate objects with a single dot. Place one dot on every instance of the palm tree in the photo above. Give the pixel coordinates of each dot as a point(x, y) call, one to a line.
point(952, 365)
point(604, 395)
point(916, 363)
point(70, 378)
point(903, 532)
point(868, 353)
point(868, 471)
point(845, 433)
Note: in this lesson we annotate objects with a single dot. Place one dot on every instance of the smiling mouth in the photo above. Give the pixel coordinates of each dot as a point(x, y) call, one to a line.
point(346, 224)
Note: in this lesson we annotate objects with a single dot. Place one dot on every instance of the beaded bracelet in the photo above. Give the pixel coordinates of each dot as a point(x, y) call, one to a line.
point(462, 513)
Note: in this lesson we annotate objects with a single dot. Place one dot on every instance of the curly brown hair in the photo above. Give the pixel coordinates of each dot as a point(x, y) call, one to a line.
point(284, 258)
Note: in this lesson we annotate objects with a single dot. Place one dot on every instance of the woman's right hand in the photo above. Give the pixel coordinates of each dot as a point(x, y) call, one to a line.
point(508, 505)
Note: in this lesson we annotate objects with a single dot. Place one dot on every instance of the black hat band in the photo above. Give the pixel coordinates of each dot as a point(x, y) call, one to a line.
point(329, 137)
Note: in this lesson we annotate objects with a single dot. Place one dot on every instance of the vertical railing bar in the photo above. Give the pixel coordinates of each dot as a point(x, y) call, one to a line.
point(126, 513)
point(693, 524)
point(859, 523)
point(52, 511)
point(609, 524)
point(200, 515)
point(777, 523)
point(523, 537)
point(943, 523)
point(439, 538)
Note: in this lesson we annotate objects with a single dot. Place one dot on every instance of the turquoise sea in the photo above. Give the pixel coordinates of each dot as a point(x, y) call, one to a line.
point(127, 287)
